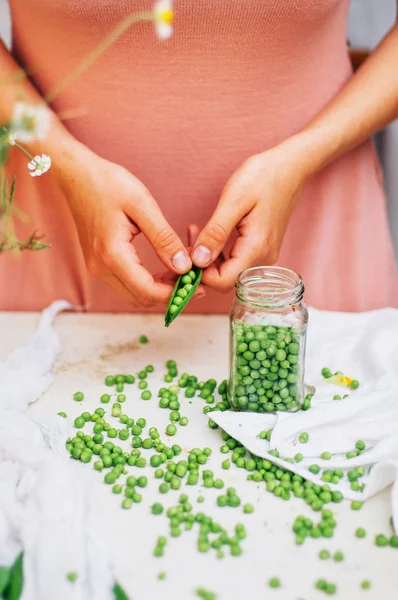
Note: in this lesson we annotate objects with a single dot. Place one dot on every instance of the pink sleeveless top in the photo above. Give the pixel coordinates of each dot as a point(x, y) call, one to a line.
point(236, 78)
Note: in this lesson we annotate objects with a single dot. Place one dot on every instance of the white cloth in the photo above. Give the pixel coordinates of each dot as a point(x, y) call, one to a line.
point(48, 504)
point(363, 346)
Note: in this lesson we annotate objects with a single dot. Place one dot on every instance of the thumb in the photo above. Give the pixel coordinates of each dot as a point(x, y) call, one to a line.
point(216, 232)
point(164, 240)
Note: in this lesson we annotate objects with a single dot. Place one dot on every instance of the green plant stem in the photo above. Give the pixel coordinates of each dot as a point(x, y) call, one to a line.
point(102, 47)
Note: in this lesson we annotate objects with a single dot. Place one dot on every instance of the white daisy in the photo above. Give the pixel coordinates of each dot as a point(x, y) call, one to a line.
point(29, 122)
point(39, 165)
point(164, 17)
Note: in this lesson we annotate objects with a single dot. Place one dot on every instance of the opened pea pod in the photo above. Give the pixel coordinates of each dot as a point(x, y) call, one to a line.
point(184, 289)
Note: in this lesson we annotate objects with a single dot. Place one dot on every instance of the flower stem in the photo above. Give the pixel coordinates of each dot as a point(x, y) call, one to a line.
point(102, 47)
point(25, 151)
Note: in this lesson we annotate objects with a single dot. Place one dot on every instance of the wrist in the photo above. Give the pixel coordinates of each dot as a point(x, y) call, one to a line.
point(304, 154)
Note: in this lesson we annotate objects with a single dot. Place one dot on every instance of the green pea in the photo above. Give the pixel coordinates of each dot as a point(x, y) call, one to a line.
point(78, 396)
point(360, 532)
point(324, 554)
point(171, 429)
point(105, 398)
point(338, 556)
point(394, 541)
point(79, 422)
point(143, 339)
point(146, 395)
point(381, 540)
point(274, 582)
point(248, 509)
point(365, 585)
point(356, 505)
point(326, 456)
point(226, 464)
point(143, 384)
point(62, 414)
point(354, 385)
point(157, 509)
point(164, 488)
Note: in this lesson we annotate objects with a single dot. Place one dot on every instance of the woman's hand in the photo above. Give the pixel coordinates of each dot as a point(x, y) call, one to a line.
point(258, 201)
point(110, 207)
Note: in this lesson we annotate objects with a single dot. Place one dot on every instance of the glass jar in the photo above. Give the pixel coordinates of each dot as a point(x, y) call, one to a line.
point(268, 328)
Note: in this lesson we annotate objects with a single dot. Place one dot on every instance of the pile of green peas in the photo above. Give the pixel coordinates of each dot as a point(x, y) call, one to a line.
point(187, 284)
point(266, 371)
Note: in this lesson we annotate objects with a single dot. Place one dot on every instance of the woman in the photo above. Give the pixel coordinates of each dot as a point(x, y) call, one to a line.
point(247, 119)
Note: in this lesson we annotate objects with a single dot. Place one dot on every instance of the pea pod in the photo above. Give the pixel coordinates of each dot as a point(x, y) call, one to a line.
point(183, 291)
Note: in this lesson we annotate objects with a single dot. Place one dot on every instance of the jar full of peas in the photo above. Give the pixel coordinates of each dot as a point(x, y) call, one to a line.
point(268, 326)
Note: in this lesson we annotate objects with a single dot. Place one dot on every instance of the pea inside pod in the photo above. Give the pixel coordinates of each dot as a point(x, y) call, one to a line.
point(183, 291)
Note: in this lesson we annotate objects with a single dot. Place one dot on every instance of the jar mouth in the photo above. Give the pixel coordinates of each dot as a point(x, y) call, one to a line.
point(270, 286)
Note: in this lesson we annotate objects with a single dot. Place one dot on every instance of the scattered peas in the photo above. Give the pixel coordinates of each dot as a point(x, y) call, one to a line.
point(338, 556)
point(157, 509)
point(171, 429)
point(360, 532)
point(326, 456)
point(365, 584)
point(381, 540)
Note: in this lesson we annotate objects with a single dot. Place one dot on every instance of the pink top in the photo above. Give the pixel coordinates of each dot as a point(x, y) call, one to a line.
point(237, 77)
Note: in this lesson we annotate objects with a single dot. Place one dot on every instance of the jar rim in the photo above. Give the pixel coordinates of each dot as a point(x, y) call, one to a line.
point(270, 285)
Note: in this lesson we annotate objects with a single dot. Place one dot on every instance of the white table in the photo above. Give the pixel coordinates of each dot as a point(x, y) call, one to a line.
point(97, 345)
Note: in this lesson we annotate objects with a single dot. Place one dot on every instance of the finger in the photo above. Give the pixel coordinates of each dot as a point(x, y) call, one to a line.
point(118, 286)
point(216, 232)
point(121, 258)
point(163, 238)
point(192, 234)
point(245, 253)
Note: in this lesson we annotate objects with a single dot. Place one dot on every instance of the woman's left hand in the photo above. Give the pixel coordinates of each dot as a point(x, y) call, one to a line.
point(258, 201)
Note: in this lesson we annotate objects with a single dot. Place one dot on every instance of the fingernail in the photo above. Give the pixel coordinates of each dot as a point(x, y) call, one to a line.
point(201, 256)
point(181, 262)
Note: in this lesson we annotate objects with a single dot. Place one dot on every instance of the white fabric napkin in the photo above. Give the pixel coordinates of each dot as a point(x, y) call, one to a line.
point(44, 496)
point(363, 346)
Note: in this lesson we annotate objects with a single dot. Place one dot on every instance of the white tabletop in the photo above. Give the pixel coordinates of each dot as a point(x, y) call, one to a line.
point(97, 345)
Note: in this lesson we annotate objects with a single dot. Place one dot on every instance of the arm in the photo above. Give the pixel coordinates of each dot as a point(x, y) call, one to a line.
point(260, 196)
point(109, 205)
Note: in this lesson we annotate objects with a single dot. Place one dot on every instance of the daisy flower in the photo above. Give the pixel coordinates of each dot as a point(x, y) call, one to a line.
point(39, 165)
point(164, 17)
point(29, 123)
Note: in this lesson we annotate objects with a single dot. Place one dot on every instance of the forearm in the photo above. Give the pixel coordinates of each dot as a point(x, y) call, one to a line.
point(59, 144)
point(367, 103)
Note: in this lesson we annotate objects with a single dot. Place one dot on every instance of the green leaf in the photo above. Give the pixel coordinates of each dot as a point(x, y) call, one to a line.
point(14, 588)
point(5, 573)
point(119, 592)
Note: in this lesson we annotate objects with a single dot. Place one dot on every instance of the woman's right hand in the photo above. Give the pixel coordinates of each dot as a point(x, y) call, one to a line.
point(110, 207)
